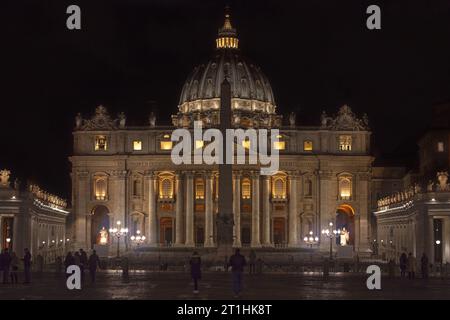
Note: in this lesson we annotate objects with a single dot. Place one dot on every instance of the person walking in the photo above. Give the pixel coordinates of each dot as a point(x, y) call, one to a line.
point(14, 268)
point(68, 261)
point(411, 266)
point(252, 261)
point(27, 265)
point(196, 269)
point(424, 266)
point(6, 265)
point(83, 262)
point(403, 263)
point(93, 263)
point(2, 263)
point(237, 263)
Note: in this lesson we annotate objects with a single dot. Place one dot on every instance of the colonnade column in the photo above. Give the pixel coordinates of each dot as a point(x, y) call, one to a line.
point(189, 209)
point(209, 220)
point(255, 241)
point(266, 210)
point(179, 210)
point(237, 210)
point(152, 218)
point(293, 232)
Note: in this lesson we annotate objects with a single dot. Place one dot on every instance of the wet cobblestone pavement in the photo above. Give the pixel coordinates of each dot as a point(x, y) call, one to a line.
point(177, 285)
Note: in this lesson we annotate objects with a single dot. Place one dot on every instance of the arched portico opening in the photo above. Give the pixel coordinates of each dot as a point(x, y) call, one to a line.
point(99, 226)
point(345, 221)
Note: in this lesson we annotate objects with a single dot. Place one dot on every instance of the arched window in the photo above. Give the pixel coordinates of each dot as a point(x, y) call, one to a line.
point(199, 189)
point(246, 188)
point(279, 188)
point(100, 187)
point(166, 188)
point(345, 187)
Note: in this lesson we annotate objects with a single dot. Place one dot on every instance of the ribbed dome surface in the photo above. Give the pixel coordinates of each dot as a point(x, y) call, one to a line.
point(247, 81)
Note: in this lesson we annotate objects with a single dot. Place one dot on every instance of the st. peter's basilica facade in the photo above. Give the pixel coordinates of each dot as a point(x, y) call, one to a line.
point(125, 173)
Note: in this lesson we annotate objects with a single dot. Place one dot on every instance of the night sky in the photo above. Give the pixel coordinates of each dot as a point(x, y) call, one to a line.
point(134, 56)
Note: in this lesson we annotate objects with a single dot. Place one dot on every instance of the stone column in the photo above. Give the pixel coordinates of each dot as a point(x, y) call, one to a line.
point(82, 196)
point(189, 209)
point(429, 241)
point(266, 210)
point(255, 241)
point(293, 232)
point(152, 218)
point(362, 243)
point(179, 210)
point(209, 220)
point(327, 208)
point(446, 240)
point(237, 210)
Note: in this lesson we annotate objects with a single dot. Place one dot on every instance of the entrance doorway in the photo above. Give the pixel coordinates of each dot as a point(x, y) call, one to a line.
point(166, 231)
point(245, 236)
point(345, 221)
point(100, 226)
point(279, 231)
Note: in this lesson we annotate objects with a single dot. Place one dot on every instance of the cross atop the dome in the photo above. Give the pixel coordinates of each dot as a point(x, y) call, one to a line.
point(227, 37)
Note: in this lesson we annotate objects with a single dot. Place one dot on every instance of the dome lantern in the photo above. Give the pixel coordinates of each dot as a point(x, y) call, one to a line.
point(227, 36)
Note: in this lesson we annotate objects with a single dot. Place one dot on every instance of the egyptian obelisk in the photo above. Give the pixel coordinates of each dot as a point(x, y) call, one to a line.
point(225, 210)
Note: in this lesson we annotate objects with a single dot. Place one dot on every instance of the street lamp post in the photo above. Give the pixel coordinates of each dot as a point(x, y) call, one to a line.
point(118, 233)
point(311, 240)
point(330, 234)
point(138, 239)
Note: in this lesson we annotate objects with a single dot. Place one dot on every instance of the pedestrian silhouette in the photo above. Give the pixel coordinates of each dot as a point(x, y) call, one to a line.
point(403, 264)
point(252, 261)
point(237, 263)
point(6, 262)
point(196, 269)
point(424, 266)
point(14, 268)
point(93, 262)
point(27, 265)
point(411, 266)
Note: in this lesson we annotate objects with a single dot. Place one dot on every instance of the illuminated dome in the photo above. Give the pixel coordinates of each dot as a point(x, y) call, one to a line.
point(252, 102)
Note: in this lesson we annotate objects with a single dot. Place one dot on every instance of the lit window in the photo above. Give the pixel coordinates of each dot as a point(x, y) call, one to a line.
point(440, 147)
point(100, 188)
point(137, 145)
point(345, 143)
point(307, 145)
point(246, 144)
point(279, 188)
point(199, 189)
point(166, 144)
point(246, 189)
point(166, 188)
point(345, 188)
point(199, 144)
point(100, 143)
point(279, 145)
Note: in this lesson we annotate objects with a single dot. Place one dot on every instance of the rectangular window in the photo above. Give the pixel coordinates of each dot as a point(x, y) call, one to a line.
point(199, 144)
point(440, 147)
point(307, 145)
point(137, 145)
point(279, 145)
point(166, 145)
point(345, 143)
point(100, 143)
